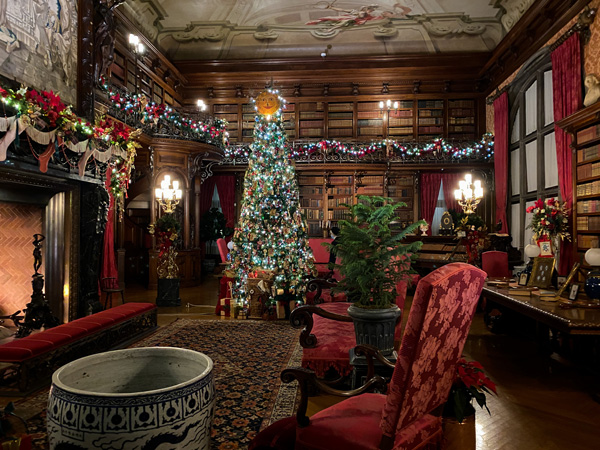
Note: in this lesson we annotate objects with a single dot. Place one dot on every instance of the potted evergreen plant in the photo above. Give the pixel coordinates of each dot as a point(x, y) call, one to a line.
point(373, 259)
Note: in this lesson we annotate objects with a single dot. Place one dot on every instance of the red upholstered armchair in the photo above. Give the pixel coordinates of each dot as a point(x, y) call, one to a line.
point(223, 250)
point(407, 417)
point(495, 264)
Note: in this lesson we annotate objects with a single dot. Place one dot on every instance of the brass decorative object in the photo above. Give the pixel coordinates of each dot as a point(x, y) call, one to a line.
point(469, 194)
point(167, 265)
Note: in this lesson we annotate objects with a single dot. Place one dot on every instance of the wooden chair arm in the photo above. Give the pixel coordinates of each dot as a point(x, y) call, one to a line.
point(371, 352)
point(317, 285)
point(306, 378)
point(301, 317)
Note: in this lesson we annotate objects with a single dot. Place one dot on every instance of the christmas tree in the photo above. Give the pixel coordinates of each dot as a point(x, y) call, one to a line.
point(271, 240)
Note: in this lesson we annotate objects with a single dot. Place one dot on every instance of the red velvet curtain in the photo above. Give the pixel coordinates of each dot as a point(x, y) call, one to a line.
point(450, 184)
point(430, 189)
point(206, 194)
point(109, 261)
point(501, 158)
point(566, 83)
point(226, 189)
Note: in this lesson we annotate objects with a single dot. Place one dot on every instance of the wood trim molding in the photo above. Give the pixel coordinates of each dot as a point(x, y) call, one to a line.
point(85, 59)
point(538, 25)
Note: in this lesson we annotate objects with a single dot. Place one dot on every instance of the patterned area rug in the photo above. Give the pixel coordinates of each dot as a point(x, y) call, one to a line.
point(248, 357)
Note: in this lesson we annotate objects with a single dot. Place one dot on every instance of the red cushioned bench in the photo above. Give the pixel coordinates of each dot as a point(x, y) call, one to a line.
point(31, 360)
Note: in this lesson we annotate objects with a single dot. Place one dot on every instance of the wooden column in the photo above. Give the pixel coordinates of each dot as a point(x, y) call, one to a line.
point(197, 190)
point(186, 218)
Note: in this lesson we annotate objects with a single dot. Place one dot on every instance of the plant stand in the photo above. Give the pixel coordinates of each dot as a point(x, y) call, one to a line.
point(360, 367)
point(168, 292)
point(459, 436)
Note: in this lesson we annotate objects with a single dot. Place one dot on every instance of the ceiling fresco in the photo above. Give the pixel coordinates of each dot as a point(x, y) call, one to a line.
point(263, 29)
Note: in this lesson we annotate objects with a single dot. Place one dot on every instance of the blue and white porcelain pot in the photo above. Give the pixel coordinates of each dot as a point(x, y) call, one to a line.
point(155, 397)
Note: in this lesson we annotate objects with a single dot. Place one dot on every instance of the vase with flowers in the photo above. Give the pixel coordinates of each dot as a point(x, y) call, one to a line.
point(549, 222)
point(470, 382)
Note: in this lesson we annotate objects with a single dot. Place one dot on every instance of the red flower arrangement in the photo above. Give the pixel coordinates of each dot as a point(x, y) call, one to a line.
point(470, 383)
point(550, 218)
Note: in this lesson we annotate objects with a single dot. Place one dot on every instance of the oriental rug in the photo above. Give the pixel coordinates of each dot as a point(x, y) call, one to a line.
point(248, 357)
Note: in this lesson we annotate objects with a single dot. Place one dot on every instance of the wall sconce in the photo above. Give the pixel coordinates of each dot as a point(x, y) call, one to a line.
point(201, 105)
point(167, 195)
point(137, 49)
point(388, 105)
point(469, 194)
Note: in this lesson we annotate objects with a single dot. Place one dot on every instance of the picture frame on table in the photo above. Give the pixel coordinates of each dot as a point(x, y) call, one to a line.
point(523, 278)
point(568, 280)
point(546, 248)
point(541, 273)
point(573, 292)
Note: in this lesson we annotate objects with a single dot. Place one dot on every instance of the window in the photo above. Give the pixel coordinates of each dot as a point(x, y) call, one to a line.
point(532, 150)
point(440, 207)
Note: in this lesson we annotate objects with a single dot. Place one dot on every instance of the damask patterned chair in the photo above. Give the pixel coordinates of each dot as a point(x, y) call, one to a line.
point(495, 264)
point(408, 417)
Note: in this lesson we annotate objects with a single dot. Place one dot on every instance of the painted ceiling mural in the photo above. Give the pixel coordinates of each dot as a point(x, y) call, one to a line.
point(241, 29)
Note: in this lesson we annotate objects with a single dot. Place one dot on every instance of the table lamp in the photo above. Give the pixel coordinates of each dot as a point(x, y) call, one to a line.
point(592, 282)
point(531, 251)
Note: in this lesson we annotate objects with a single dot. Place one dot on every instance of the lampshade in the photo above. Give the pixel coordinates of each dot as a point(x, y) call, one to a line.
point(592, 257)
point(532, 251)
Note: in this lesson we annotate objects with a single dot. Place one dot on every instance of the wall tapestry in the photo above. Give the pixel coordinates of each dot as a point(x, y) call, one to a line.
point(38, 44)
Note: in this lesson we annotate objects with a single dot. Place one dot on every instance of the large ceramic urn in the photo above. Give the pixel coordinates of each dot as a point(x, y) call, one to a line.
point(375, 326)
point(156, 397)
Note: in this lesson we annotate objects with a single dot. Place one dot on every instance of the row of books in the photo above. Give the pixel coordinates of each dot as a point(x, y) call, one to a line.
point(341, 179)
point(312, 115)
point(340, 115)
point(431, 113)
point(369, 122)
point(403, 130)
point(370, 190)
point(461, 120)
point(588, 222)
point(588, 206)
point(337, 202)
point(338, 214)
point(369, 115)
point(310, 190)
point(401, 113)
point(314, 229)
point(339, 190)
point(588, 170)
point(308, 179)
point(340, 132)
point(589, 153)
point(372, 179)
point(340, 106)
point(588, 188)
point(399, 122)
point(588, 134)
point(340, 123)
point(429, 130)
point(431, 121)
point(225, 109)
point(369, 131)
point(462, 128)
point(462, 112)
point(587, 240)
point(431, 104)
point(311, 132)
point(313, 214)
point(310, 202)
point(311, 106)
point(461, 104)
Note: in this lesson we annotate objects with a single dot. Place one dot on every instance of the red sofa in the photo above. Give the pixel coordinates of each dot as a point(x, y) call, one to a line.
point(34, 358)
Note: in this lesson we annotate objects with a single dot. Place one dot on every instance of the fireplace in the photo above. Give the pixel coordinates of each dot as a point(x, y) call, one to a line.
point(30, 204)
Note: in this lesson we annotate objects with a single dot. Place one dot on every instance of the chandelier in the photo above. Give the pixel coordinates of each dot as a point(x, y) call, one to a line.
point(167, 195)
point(469, 194)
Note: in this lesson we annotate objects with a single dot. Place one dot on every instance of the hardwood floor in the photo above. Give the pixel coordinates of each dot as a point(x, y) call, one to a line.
point(542, 403)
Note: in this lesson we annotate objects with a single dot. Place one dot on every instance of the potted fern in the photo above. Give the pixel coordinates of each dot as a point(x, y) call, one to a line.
point(373, 259)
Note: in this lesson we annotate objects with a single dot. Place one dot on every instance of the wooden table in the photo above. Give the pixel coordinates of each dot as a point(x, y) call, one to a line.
point(574, 321)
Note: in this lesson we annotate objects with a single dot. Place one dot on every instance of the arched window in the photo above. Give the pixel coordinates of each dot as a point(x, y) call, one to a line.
point(532, 148)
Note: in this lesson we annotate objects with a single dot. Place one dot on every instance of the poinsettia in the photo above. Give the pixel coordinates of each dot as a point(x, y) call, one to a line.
point(550, 218)
point(470, 383)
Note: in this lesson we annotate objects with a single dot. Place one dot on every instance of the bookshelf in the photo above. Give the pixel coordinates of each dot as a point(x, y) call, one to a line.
point(340, 191)
point(312, 202)
point(401, 121)
point(311, 120)
point(401, 188)
point(289, 120)
point(430, 119)
point(230, 113)
point(247, 126)
point(461, 119)
point(340, 120)
point(369, 123)
point(584, 127)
